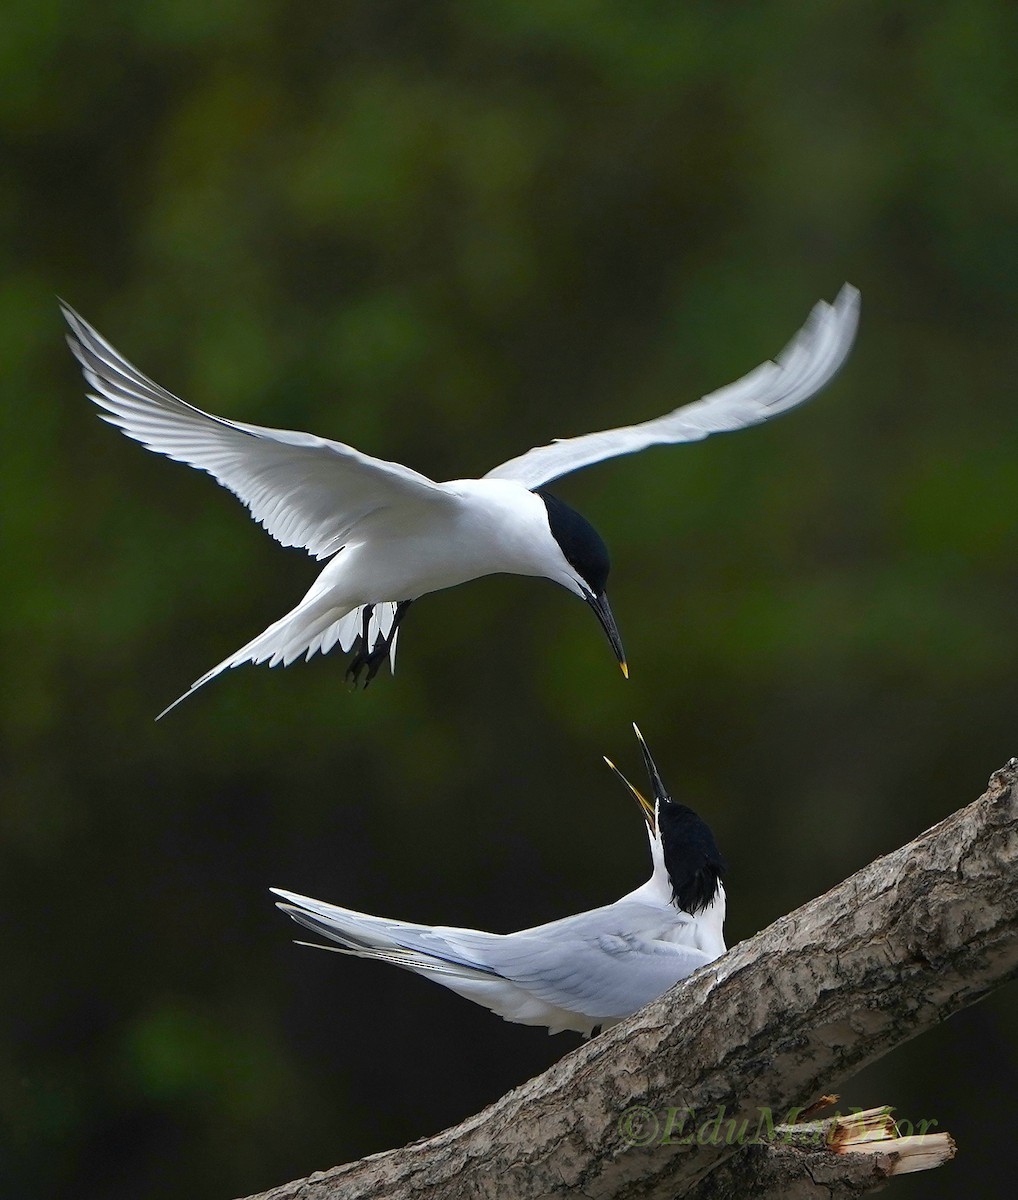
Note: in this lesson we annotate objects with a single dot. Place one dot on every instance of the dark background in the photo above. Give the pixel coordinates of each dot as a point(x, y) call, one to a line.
point(445, 233)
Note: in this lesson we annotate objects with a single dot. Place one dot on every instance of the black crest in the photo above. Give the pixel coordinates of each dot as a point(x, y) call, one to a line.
point(692, 859)
point(579, 541)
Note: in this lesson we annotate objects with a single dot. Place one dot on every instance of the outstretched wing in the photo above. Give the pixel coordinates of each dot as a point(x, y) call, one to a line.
point(306, 491)
point(807, 363)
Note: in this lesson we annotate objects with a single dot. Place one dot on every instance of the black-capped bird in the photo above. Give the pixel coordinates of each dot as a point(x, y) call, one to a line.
point(390, 534)
point(582, 973)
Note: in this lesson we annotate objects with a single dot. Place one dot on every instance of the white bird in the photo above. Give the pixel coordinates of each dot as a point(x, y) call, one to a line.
point(582, 973)
point(390, 534)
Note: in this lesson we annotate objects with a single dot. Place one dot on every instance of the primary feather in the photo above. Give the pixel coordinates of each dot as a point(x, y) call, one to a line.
point(306, 491)
point(808, 362)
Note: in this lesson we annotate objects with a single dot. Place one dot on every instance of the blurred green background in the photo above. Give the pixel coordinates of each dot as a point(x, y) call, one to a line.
point(444, 233)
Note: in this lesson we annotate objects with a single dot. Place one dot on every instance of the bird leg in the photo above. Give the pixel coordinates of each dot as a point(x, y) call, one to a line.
point(362, 658)
point(371, 657)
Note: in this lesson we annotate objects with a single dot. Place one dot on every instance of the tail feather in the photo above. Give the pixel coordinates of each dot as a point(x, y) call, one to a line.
point(450, 957)
point(416, 947)
point(396, 958)
point(304, 631)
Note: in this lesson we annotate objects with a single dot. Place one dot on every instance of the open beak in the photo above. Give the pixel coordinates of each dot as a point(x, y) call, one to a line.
point(603, 610)
point(660, 791)
point(646, 808)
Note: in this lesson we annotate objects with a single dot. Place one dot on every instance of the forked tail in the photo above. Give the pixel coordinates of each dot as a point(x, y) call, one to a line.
point(308, 630)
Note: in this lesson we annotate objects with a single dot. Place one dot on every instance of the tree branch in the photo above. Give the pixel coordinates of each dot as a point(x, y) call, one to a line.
point(901, 945)
point(824, 1160)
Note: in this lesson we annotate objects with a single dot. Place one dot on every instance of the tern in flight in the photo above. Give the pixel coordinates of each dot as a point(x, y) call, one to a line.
point(582, 973)
point(389, 534)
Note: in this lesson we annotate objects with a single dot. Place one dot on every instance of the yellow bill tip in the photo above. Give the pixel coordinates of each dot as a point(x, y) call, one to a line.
point(625, 668)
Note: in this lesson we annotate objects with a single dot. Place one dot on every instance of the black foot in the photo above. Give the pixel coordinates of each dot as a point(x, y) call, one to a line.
point(371, 660)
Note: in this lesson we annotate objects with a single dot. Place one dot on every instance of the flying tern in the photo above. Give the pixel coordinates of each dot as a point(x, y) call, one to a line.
point(583, 973)
point(390, 534)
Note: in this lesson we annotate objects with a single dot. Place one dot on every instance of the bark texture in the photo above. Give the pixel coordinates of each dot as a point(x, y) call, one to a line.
point(788, 1173)
point(794, 1011)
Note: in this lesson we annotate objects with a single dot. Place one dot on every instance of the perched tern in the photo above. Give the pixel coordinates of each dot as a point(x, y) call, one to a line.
point(582, 973)
point(390, 534)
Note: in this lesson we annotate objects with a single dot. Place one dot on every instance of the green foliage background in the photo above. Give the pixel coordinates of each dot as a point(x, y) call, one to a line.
point(445, 232)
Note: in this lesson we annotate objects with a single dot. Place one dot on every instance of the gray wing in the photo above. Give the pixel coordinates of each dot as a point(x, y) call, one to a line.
point(306, 491)
point(807, 363)
point(607, 976)
point(580, 964)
